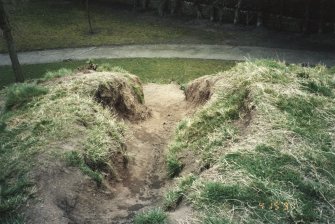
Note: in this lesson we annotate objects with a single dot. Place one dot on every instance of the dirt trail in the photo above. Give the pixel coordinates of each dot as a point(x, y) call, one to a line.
point(67, 196)
point(141, 186)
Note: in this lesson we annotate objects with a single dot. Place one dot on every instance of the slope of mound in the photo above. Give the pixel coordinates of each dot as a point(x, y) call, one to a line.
point(262, 150)
point(48, 128)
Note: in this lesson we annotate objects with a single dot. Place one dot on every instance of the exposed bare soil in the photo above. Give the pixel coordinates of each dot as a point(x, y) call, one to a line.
point(123, 99)
point(67, 196)
point(200, 90)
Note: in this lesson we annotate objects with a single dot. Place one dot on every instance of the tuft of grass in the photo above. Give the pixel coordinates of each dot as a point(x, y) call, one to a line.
point(154, 216)
point(175, 196)
point(14, 219)
point(304, 119)
point(74, 158)
point(20, 94)
point(172, 199)
point(139, 93)
point(216, 192)
point(58, 73)
point(13, 193)
point(265, 163)
point(320, 88)
point(174, 166)
point(109, 67)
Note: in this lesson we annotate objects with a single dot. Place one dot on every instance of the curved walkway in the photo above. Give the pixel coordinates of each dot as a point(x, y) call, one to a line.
point(222, 52)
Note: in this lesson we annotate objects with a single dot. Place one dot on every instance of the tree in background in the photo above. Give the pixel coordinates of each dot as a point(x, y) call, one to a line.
point(308, 16)
point(89, 16)
point(7, 34)
point(237, 11)
point(163, 6)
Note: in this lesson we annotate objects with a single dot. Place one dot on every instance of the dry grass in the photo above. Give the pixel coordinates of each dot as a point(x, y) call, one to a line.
point(267, 140)
point(65, 122)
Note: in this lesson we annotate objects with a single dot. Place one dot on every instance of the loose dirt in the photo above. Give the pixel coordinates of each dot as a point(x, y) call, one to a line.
point(70, 197)
point(147, 174)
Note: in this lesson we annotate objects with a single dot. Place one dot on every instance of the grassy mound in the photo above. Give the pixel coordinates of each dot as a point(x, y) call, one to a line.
point(58, 119)
point(262, 150)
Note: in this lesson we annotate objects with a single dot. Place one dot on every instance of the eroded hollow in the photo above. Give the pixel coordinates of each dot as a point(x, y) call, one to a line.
point(124, 97)
point(199, 91)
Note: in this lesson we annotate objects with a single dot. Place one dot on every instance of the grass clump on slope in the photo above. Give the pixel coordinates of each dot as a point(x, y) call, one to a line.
point(19, 94)
point(263, 148)
point(154, 216)
point(56, 120)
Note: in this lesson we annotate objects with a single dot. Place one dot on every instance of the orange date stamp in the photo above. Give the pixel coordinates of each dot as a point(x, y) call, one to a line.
point(275, 205)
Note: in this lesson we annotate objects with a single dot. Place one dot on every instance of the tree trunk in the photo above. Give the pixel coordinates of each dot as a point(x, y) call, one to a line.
point(89, 17)
point(135, 4)
point(163, 6)
point(176, 7)
point(247, 19)
point(145, 4)
point(237, 11)
point(306, 19)
point(259, 19)
point(222, 5)
point(5, 26)
point(221, 14)
point(212, 13)
point(260, 11)
point(321, 20)
point(196, 5)
point(281, 13)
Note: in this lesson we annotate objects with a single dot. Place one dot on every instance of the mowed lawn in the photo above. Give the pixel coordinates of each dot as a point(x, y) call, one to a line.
point(63, 24)
point(149, 70)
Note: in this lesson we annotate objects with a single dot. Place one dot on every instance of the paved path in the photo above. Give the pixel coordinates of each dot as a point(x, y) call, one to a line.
point(223, 52)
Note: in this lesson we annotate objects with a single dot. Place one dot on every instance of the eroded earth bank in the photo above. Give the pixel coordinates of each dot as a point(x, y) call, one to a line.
point(66, 195)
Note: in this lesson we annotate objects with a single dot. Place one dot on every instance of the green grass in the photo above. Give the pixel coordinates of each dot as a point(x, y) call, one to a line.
point(319, 88)
point(267, 141)
point(154, 216)
point(149, 70)
point(66, 115)
point(13, 193)
point(212, 219)
point(58, 73)
point(172, 199)
point(282, 171)
point(305, 120)
point(175, 196)
point(218, 193)
point(19, 94)
point(38, 107)
point(59, 24)
point(210, 120)
point(76, 159)
point(174, 166)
